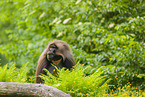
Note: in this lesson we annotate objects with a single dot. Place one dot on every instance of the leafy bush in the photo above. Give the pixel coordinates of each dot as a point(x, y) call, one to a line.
point(76, 83)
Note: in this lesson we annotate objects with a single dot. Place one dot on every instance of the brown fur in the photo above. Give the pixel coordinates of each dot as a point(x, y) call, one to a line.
point(63, 50)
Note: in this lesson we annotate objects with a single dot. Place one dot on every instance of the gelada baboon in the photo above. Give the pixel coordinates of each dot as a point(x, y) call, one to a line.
point(59, 54)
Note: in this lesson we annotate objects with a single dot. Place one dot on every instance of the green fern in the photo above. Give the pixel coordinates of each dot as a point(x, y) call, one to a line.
point(9, 73)
point(76, 83)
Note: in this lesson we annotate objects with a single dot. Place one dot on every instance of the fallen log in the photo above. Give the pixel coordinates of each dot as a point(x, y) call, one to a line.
point(12, 89)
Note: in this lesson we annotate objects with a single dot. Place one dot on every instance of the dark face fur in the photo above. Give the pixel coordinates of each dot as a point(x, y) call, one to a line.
point(51, 53)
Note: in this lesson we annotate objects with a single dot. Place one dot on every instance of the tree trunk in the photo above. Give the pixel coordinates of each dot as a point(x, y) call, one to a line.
point(11, 89)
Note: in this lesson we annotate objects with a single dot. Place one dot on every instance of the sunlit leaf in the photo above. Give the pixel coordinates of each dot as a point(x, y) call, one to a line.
point(42, 15)
point(66, 20)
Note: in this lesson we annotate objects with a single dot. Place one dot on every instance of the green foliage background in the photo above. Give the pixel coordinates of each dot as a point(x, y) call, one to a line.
point(108, 33)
